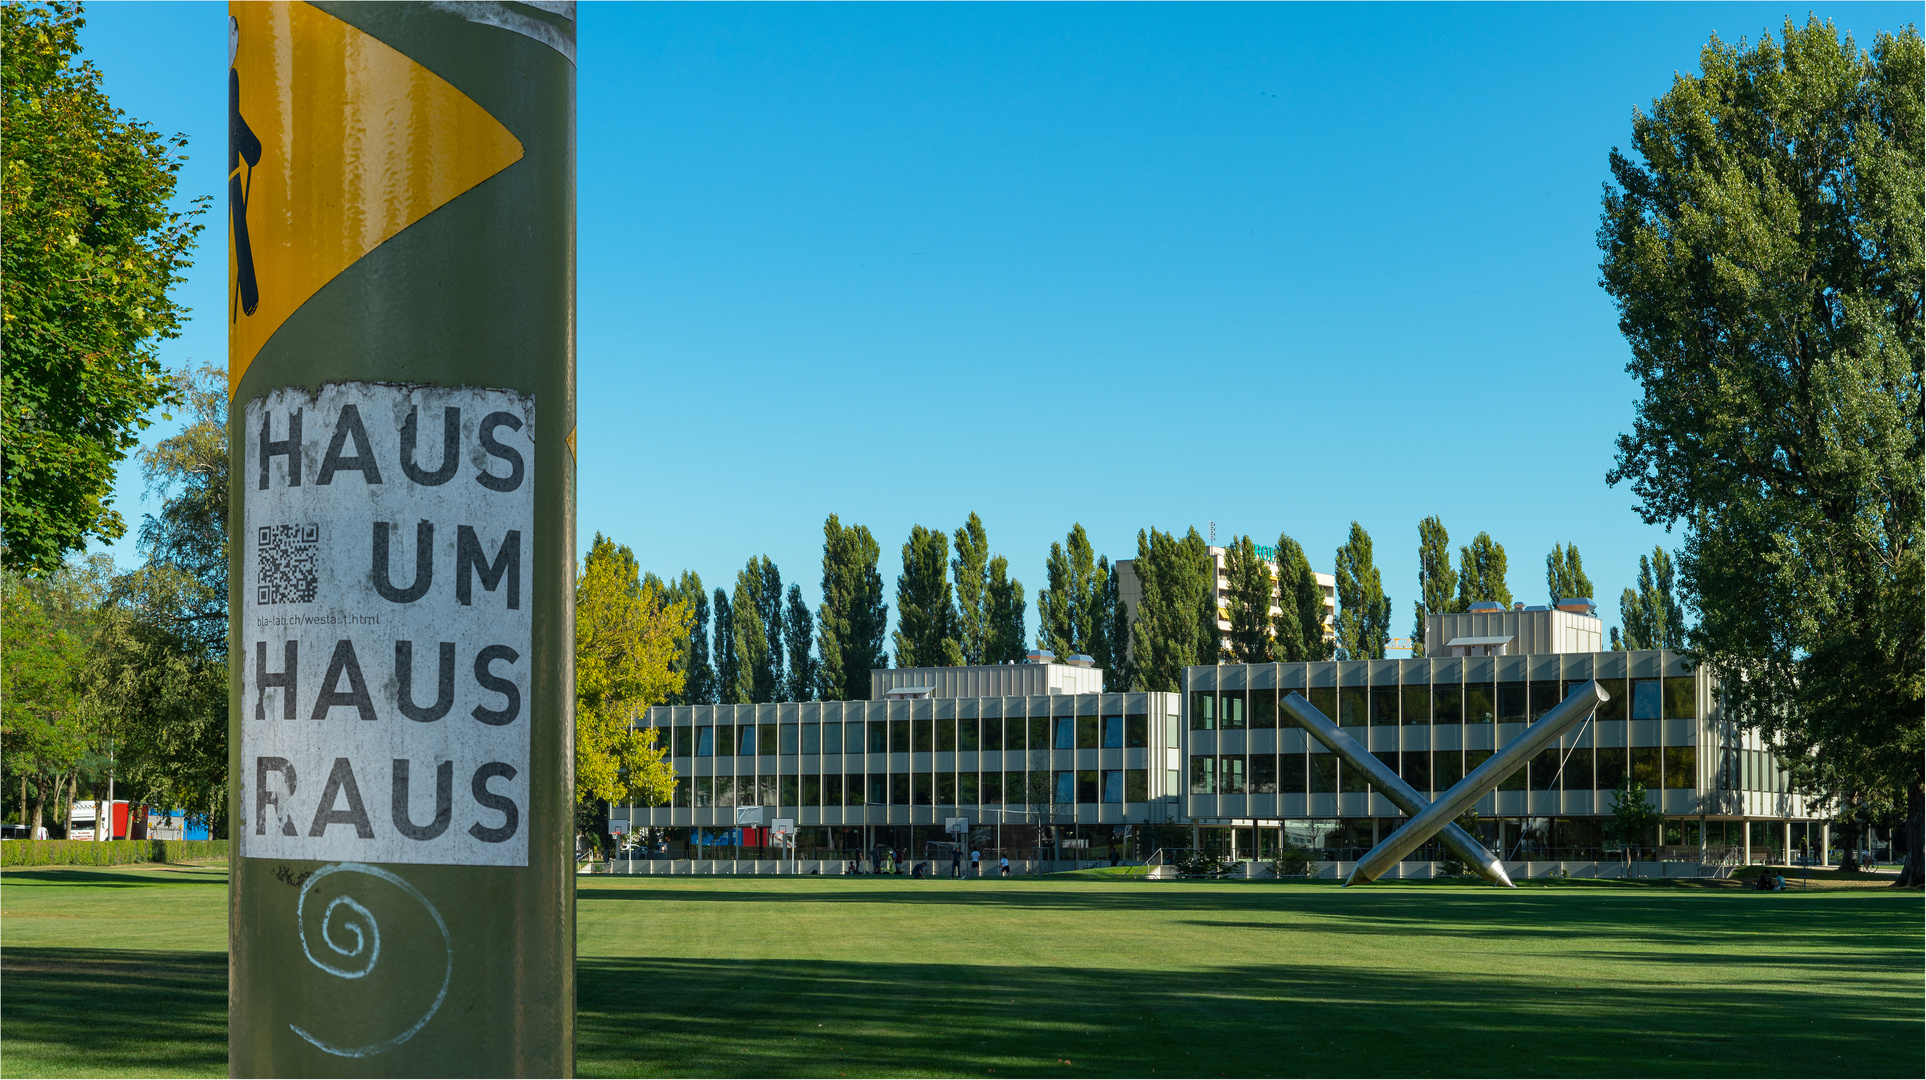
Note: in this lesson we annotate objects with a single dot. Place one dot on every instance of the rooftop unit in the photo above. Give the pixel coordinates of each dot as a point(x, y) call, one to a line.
point(1030, 679)
point(1488, 629)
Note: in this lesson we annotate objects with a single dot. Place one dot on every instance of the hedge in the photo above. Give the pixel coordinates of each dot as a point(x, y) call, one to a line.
point(107, 853)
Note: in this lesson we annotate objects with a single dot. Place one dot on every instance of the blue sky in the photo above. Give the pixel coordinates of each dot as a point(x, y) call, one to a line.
point(1276, 267)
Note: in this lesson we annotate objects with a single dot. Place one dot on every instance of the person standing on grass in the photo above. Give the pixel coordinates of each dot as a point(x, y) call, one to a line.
point(1004, 862)
point(956, 862)
point(976, 862)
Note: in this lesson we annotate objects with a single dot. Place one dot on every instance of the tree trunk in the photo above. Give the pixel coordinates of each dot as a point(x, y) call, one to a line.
point(1912, 872)
point(67, 804)
point(1850, 861)
point(39, 808)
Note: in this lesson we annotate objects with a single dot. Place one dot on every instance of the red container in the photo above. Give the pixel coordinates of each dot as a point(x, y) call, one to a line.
point(120, 819)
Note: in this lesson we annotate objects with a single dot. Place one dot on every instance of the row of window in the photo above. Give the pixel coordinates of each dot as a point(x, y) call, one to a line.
point(1553, 769)
point(919, 736)
point(1443, 703)
point(1033, 789)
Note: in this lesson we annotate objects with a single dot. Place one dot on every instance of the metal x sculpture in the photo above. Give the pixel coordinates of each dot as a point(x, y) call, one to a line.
point(1425, 818)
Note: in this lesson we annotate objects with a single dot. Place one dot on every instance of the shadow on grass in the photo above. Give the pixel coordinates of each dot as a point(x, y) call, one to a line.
point(88, 877)
point(669, 1016)
point(93, 1011)
point(1685, 918)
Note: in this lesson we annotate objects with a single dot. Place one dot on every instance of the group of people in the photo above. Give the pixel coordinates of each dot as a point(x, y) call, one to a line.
point(887, 860)
point(1770, 882)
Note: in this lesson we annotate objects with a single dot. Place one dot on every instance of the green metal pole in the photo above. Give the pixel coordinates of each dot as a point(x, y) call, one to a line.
point(402, 534)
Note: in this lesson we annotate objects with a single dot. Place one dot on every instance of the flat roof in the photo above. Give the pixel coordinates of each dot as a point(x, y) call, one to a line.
point(1454, 642)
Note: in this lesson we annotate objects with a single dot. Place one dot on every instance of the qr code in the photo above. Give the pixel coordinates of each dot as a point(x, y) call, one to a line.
point(288, 574)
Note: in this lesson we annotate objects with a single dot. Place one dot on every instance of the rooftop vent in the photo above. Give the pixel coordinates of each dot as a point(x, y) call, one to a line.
point(1082, 660)
point(1485, 606)
point(1578, 605)
point(1042, 656)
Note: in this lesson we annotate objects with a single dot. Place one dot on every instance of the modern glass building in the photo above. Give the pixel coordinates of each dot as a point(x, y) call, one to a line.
point(1253, 780)
point(1067, 772)
point(1038, 773)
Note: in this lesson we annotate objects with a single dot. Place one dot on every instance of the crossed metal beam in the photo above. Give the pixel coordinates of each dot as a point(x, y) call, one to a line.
point(1425, 818)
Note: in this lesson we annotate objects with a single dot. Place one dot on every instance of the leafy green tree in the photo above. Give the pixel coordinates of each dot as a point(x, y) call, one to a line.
point(89, 250)
point(755, 670)
point(1249, 640)
point(970, 571)
point(1565, 574)
point(769, 605)
point(1364, 612)
point(799, 631)
point(1006, 635)
point(1651, 616)
point(1176, 624)
point(1307, 639)
point(1481, 573)
point(852, 620)
point(49, 718)
point(1763, 244)
point(729, 684)
point(1075, 611)
point(1119, 670)
point(692, 648)
point(161, 659)
point(1436, 580)
point(925, 616)
point(1634, 822)
point(626, 630)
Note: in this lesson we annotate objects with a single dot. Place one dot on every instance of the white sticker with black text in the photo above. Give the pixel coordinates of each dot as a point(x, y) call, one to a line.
point(386, 628)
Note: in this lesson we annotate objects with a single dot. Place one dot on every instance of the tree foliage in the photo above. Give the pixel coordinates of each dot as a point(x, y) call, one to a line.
point(1650, 615)
point(756, 650)
point(1565, 574)
point(853, 617)
point(89, 250)
point(1300, 632)
point(1364, 612)
point(1762, 242)
point(926, 631)
point(626, 633)
point(1006, 635)
point(1076, 611)
point(692, 648)
point(727, 660)
point(1436, 580)
point(798, 634)
point(1176, 624)
point(1249, 640)
point(1481, 573)
point(970, 571)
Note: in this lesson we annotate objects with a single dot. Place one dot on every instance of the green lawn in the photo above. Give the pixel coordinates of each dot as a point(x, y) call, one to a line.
point(121, 971)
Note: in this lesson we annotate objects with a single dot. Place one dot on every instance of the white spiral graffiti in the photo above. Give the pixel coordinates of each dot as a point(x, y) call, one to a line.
point(359, 944)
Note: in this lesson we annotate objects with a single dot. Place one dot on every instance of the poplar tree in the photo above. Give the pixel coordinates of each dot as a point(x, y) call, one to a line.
point(798, 632)
point(1176, 625)
point(692, 648)
point(755, 672)
point(1481, 573)
point(769, 605)
point(728, 664)
point(1077, 611)
point(1565, 574)
point(925, 621)
point(1651, 616)
point(1249, 640)
point(1307, 639)
point(1119, 669)
point(1436, 580)
point(853, 618)
point(970, 571)
point(1006, 636)
point(1364, 612)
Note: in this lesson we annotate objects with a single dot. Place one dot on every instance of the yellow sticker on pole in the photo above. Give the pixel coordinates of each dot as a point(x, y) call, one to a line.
point(336, 142)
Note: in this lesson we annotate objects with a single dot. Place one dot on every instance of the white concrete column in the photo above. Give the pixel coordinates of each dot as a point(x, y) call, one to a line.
point(1825, 843)
point(1787, 826)
point(1745, 833)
